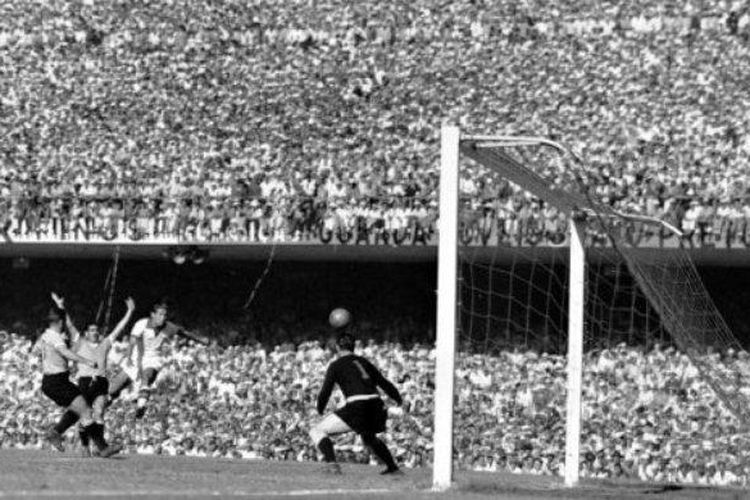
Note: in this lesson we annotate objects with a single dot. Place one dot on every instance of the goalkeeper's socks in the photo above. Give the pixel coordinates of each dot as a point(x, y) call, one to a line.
point(326, 448)
point(381, 451)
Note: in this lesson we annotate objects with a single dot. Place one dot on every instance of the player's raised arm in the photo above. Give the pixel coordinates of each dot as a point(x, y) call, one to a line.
point(383, 382)
point(136, 340)
point(130, 304)
point(75, 335)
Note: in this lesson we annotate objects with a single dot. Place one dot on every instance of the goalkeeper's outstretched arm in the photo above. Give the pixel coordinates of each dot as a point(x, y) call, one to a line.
point(383, 383)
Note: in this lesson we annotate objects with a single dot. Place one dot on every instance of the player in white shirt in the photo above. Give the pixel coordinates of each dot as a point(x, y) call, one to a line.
point(57, 386)
point(93, 382)
point(147, 336)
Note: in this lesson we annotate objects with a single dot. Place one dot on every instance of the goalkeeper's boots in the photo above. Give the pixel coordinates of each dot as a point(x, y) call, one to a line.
point(55, 439)
point(392, 471)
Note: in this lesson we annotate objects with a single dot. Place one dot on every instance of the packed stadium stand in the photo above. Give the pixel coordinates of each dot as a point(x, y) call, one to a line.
point(284, 121)
point(298, 121)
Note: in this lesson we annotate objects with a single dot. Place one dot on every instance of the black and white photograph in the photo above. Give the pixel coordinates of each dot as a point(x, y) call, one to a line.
point(449, 249)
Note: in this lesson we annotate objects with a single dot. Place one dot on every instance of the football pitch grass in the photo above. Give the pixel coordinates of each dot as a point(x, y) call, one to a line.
point(48, 474)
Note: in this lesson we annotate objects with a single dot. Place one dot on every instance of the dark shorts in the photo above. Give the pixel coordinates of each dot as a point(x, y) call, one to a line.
point(364, 417)
point(93, 387)
point(60, 389)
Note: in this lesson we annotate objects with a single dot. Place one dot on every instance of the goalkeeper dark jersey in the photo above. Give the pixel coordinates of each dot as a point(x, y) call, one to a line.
point(357, 378)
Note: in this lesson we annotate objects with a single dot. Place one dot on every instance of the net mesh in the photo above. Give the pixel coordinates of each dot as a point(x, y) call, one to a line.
point(663, 391)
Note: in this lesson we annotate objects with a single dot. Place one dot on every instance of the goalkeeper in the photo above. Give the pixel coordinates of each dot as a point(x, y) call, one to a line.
point(364, 412)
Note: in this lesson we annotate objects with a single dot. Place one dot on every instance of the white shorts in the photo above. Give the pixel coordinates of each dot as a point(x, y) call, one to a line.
point(152, 362)
point(130, 371)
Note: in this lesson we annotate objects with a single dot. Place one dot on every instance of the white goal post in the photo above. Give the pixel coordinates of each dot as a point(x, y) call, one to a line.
point(445, 356)
point(487, 150)
point(447, 308)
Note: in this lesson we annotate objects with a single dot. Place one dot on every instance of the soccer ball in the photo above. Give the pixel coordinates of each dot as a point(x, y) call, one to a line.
point(339, 317)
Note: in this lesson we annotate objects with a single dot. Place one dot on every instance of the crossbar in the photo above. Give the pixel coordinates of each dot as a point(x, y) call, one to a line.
point(488, 150)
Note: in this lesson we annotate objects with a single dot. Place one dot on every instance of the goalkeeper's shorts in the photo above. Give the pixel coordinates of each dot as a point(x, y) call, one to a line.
point(364, 417)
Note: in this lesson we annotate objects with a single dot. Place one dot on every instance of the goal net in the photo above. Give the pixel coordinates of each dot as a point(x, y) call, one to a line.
point(661, 380)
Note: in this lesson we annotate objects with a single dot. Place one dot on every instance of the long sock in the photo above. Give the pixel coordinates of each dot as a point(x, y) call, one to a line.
point(325, 446)
point(381, 451)
point(67, 420)
point(100, 426)
point(84, 437)
point(96, 432)
point(100, 433)
point(144, 394)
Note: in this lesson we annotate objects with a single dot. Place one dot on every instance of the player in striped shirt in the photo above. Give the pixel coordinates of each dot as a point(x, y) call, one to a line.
point(57, 386)
point(92, 381)
point(364, 412)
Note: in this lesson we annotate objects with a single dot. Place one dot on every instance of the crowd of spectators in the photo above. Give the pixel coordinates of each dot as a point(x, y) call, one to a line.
point(288, 220)
point(291, 121)
point(278, 110)
point(647, 414)
point(367, 221)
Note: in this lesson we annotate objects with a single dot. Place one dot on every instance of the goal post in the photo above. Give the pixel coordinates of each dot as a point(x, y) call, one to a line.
point(445, 344)
point(446, 330)
point(590, 291)
point(576, 302)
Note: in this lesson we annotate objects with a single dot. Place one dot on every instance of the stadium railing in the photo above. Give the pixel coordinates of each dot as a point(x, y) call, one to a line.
point(397, 221)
